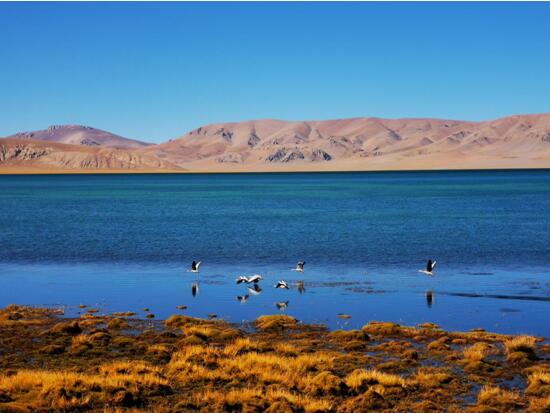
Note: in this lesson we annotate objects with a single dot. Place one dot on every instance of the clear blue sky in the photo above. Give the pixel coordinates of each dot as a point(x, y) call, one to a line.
point(153, 71)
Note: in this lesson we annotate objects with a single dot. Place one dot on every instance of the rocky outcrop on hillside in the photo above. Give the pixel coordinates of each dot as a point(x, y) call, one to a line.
point(40, 154)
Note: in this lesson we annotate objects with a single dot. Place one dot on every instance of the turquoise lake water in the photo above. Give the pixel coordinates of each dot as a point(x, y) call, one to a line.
point(124, 242)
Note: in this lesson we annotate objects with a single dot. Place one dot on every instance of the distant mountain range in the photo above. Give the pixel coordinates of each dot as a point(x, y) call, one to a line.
point(521, 141)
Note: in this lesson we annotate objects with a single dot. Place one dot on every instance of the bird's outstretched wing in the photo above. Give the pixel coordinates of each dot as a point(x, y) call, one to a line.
point(198, 265)
point(194, 266)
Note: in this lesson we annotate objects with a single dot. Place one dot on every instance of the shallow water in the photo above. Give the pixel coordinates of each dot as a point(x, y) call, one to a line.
point(124, 242)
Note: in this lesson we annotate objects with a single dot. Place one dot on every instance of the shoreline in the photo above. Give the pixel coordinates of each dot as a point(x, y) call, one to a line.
point(182, 364)
point(39, 171)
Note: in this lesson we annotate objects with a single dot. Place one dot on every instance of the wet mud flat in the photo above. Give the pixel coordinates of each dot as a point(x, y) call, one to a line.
point(118, 362)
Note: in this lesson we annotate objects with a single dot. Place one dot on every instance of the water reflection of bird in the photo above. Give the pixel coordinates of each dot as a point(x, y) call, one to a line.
point(430, 266)
point(194, 289)
point(195, 266)
point(282, 284)
point(299, 266)
point(255, 289)
point(281, 305)
point(243, 298)
point(300, 287)
point(429, 298)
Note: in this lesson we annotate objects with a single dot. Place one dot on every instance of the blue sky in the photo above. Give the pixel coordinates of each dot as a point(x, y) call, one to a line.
point(153, 71)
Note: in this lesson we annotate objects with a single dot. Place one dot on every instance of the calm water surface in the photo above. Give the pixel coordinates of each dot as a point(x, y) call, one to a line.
point(124, 242)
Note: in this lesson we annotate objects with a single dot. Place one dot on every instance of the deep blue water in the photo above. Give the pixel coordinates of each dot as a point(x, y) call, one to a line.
point(125, 241)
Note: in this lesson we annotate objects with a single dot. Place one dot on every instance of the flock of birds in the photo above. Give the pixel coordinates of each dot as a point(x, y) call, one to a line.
point(255, 289)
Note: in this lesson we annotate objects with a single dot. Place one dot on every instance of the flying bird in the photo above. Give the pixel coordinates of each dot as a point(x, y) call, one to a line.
point(241, 279)
point(249, 280)
point(299, 266)
point(282, 284)
point(430, 266)
point(195, 266)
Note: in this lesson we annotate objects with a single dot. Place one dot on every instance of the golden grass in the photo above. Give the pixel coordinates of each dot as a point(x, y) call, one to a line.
point(277, 321)
point(242, 345)
point(209, 365)
point(477, 352)
point(539, 382)
point(431, 379)
point(524, 344)
point(66, 389)
point(382, 328)
point(496, 397)
point(211, 332)
point(541, 405)
point(360, 379)
point(177, 321)
point(246, 398)
point(82, 340)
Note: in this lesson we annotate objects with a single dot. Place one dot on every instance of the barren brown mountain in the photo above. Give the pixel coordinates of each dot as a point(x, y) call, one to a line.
point(81, 135)
point(521, 141)
point(41, 156)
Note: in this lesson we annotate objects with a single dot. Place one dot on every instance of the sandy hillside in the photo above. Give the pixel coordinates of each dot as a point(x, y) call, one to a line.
point(81, 135)
point(521, 141)
point(363, 144)
point(33, 155)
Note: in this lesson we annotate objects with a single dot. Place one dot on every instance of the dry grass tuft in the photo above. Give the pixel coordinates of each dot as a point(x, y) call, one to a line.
point(541, 405)
point(521, 344)
point(178, 321)
point(70, 328)
point(360, 380)
point(118, 324)
point(382, 328)
point(539, 383)
point(498, 398)
point(277, 322)
point(477, 352)
point(241, 346)
point(350, 335)
point(431, 379)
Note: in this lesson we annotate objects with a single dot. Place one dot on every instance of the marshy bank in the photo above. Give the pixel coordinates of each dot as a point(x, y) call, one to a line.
point(116, 362)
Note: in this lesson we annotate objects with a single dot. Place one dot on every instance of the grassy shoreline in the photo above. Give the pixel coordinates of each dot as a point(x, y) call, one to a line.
point(117, 362)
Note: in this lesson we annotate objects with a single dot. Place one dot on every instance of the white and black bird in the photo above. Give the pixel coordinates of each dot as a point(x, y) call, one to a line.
point(243, 298)
point(255, 289)
point(282, 284)
point(299, 266)
point(256, 278)
point(241, 279)
point(430, 266)
point(195, 266)
point(281, 305)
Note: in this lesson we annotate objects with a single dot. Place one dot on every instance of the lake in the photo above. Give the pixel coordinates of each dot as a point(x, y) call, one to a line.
point(125, 242)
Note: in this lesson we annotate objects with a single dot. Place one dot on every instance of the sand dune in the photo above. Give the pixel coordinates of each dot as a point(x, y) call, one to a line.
point(521, 141)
